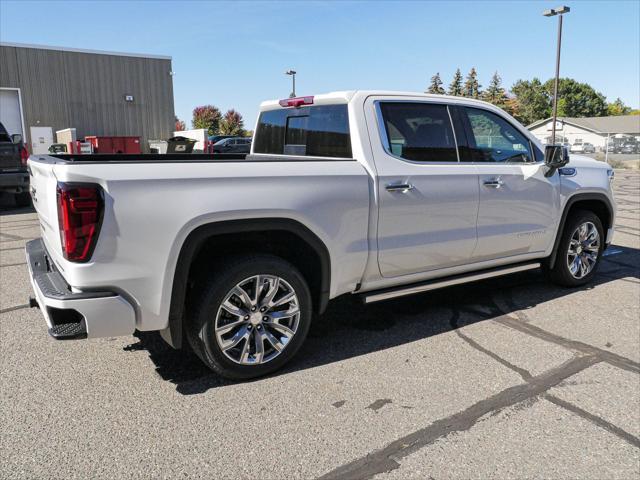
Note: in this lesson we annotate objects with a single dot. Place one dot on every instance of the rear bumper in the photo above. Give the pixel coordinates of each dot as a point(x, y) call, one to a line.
point(16, 182)
point(75, 314)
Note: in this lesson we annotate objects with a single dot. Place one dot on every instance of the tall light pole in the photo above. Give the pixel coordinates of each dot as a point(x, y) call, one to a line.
point(550, 13)
point(293, 76)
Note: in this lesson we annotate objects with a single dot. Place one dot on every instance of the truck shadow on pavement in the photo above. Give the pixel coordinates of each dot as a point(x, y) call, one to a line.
point(349, 329)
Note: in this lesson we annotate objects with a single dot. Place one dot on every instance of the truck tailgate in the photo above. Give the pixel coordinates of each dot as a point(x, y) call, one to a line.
point(43, 192)
point(10, 157)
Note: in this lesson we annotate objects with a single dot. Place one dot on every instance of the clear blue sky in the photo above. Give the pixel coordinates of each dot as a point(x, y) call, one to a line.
point(234, 54)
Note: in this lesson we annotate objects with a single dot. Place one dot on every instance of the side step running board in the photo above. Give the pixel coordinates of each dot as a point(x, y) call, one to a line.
point(386, 294)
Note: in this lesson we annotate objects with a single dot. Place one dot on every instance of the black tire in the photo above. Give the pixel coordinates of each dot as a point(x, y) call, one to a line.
point(23, 199)
point(201, 326)
point(560, 273)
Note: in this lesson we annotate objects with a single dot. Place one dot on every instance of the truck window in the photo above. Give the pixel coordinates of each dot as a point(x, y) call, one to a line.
point(495, 139)
point(419, 131)
point(318, 131)
point(4, 135)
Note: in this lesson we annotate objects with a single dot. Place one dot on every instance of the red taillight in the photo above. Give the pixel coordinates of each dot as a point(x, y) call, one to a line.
point(24, 156)
point(80, 209)
point(296, 101)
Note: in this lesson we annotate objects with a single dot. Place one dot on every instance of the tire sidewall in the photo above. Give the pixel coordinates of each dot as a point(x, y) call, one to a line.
point(213, 297)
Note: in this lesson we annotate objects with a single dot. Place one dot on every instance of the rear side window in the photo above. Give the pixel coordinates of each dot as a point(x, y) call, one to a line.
point(420, 132)
point(318, 131)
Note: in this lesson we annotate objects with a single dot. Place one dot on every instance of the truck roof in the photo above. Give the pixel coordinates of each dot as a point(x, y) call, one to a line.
point(346, 96)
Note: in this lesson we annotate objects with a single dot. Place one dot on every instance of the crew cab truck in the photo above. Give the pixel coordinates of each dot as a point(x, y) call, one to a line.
point(14, 178)
point(375, 194)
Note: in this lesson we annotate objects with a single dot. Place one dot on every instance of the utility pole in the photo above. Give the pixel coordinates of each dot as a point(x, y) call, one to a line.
point(293, 77)
point(550, 13)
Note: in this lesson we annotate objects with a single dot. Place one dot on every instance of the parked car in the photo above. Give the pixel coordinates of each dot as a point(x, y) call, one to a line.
point(237, 269)
point(233, 145)
point(577, 147)
point(216, 138)
point(14, 178)
point(588, 148)
point(629, 147)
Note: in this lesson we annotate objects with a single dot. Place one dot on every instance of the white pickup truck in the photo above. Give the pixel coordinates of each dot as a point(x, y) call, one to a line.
point(375, 194)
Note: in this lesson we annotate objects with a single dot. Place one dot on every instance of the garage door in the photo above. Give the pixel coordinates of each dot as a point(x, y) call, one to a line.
point(10, 111)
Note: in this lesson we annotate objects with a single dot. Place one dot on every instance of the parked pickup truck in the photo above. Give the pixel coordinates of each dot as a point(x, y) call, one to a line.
point(14, 178)
point(374, 194)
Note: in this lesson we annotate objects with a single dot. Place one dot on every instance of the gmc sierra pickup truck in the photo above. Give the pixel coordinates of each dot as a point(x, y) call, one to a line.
point(14, 178)
point(374, 194)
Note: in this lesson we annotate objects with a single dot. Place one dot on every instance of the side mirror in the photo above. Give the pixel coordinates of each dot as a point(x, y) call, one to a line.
point(16, 138)
point(555, 157)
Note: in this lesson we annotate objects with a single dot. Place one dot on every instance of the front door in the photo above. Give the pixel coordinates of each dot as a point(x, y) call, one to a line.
point(427, 198)
point(518, 204)
point(41, 139)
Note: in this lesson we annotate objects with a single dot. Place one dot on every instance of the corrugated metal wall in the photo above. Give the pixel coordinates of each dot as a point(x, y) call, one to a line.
point(86, 91)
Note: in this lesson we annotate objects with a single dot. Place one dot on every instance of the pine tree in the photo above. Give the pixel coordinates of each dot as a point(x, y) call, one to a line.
point(436, 85)
point(455, 88)
point(495, 93)
point(471, 87)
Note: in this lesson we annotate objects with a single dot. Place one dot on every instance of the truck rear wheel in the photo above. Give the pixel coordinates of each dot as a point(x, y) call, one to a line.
point(580, 250)
point(252, 316)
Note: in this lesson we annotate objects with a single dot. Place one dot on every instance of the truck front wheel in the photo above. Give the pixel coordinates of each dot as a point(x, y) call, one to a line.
point(252, 316)
point(580, 250)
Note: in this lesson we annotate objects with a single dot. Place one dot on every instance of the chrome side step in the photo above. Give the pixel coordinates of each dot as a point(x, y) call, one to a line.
point(379, 295)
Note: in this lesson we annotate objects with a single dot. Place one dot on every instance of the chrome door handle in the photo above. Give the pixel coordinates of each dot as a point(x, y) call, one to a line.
point(399, 187)
point(497, 183)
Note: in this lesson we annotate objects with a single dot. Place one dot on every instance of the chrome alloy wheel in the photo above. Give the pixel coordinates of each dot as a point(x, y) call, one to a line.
point(584, 248)
point(257, 319)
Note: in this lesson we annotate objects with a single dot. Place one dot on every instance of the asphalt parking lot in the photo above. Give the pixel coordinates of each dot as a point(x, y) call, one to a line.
point(509, 378)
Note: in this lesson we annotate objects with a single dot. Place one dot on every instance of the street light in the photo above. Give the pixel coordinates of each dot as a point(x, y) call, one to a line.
point(293, 76)
point(550, 13)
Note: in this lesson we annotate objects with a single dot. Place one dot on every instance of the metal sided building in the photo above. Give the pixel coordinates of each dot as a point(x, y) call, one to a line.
point(46, 89)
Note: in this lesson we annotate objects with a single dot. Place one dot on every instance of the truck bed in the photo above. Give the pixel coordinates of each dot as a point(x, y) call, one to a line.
point(146, 157)
point(120, 158)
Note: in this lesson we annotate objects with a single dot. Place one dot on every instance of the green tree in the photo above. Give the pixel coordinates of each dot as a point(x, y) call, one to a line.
point(455, 88)
point(471, 86)
point(532, 102)
point(618, 108)
point(231, 124)
point(577, 99)
point(495, 93)
point(207, 116)
point(436, 85)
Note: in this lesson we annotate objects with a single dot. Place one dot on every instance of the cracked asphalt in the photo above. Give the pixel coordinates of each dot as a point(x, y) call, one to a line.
point(508, 378)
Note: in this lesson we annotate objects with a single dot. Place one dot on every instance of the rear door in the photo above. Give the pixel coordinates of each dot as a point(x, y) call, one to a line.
point(518, 204)
point(427, 198)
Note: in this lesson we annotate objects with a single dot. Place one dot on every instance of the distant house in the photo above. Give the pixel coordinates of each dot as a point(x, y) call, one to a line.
point(594, 130)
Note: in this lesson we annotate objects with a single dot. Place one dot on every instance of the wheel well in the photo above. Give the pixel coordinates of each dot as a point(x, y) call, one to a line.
point(283, 244)
point(594, 202)
point(596, 206)
point(283, 238)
